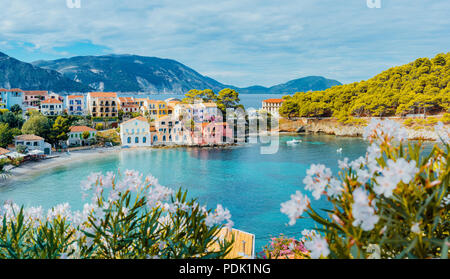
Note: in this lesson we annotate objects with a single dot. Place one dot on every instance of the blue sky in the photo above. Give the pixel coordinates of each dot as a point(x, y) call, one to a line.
point(243, 42)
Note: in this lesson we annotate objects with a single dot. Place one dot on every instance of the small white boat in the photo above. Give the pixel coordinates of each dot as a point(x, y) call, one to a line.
point(339, 150)
point(293, 142)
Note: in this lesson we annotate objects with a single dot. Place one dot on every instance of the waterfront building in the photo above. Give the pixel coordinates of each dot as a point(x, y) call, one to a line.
point(168, 130)
point(11, 97)
point(272, 106)
point(215, 133)
point(51, 107)
point(136, 132)
point(76, 135)
point(33, 99)
point(102, 104)
point(75, 105)
point(156, 109)
point(200, 112)
point(128, 104)
point(33, 142)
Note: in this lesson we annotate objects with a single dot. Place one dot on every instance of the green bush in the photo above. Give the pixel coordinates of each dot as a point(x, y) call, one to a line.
point(392, 203)
point(134, 218)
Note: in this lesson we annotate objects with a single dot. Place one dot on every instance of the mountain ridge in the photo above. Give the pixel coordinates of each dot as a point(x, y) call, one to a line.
point(130, 73)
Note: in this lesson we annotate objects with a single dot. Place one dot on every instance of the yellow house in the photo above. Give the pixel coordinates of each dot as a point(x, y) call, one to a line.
point(157, 108)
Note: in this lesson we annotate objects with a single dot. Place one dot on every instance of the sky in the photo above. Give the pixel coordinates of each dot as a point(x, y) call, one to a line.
point(237, 42)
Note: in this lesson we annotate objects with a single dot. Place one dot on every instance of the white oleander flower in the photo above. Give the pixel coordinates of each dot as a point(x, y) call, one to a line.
point(316, 180)
point(405, 170)
point(158, 194)
point(60, 211)
point(295, 207)
point(363, 176)
point(385, 185)
point(343, 164)
point(415, 228)
point(218, 216)
point(335, 188)
point(318, 247)
point(378, 129)
point(362, 212)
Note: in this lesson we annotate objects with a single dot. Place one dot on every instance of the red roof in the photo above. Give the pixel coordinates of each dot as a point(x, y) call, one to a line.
point(273, 101)
point(4, 151)
point(75, 96)
point(103, 94)
point(11, 90)
point(51, 101)
point(77, 129)
point(36, 93)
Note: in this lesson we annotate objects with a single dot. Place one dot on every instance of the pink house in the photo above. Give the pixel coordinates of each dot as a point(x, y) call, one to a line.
point(214, 133)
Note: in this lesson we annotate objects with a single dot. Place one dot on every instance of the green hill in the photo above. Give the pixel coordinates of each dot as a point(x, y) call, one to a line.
point(418, 87)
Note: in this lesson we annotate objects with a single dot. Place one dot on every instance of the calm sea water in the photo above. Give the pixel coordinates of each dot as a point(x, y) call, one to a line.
point(248, 100)
point(252, 186)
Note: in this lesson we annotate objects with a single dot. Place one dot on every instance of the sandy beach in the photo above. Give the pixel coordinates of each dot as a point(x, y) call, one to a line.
point(31, 168)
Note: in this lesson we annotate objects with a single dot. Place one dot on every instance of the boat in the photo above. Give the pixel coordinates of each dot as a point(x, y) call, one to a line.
point(293, 142)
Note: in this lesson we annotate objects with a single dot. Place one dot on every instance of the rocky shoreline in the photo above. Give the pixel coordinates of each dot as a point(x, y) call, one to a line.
point(333, 127)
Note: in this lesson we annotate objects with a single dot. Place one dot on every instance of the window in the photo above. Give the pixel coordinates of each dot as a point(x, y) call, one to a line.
point(144, 140)
point(129, 140)
point(136, 139)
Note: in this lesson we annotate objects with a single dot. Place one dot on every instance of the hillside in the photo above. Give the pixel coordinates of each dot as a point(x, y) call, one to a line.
point(18, 74)
point(422, 86)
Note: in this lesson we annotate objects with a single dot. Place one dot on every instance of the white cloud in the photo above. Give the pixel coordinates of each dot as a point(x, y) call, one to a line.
point(242, 42)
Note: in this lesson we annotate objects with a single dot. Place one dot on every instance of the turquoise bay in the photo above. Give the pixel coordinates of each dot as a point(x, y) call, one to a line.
point(251, 185)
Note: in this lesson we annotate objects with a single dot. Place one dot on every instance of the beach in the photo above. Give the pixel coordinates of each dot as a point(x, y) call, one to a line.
point(58, 159)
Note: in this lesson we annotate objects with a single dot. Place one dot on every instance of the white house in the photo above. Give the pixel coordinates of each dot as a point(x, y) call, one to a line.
point(52, 107)
point(136, 132)
point(76, 105)
point(33, 142)
point(76, 135)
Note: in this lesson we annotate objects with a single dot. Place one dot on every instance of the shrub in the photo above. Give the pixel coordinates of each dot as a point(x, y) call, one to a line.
point(284, 248)
point(392, 203)
point(132, 218)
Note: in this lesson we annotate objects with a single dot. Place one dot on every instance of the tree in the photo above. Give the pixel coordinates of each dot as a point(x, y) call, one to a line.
point(6, 136)
point(37, 125)
point(16, 109)
point(85, 135)
point(13, 120)
point(228, 98)
point(60, 130)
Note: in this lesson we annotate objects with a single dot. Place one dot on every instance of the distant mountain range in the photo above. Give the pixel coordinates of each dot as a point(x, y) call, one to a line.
point(128, 73)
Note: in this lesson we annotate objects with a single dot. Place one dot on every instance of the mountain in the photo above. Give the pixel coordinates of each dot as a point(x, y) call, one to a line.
point(131, 73)
point(128, 73)
point(311, 83)
point(18, 74)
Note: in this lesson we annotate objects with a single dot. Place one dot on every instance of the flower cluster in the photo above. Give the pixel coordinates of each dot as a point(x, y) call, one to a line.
point(127, 217)
point(393, 192)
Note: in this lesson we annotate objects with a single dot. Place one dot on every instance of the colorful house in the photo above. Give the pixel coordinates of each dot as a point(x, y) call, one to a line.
point(33, 99)
point(76, 135)
point(11, 97)
point(128, 104)
point(136, 132)
point(33, 142)
point(51, 107)
point(102, 104)
point(272, 106)
point(168, 130)
point(76, 105)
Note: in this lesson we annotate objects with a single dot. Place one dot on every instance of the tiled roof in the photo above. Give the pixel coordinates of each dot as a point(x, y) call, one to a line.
point(77, 129)
point(36, 93)
point(140, 118)
point(51, 101)
point(103, 94)
point(29, 137)
point(126, 99)
point(273, 101)
point(75, 96)
point(4, 151)
point(11, 90)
